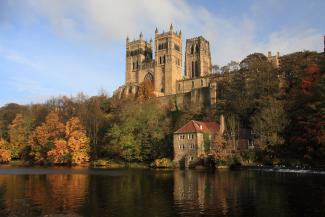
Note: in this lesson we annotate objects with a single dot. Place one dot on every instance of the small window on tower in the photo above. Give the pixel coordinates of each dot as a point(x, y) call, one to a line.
point(192, 84)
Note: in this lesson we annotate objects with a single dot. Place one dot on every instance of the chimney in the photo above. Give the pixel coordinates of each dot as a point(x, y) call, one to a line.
point(222, 124)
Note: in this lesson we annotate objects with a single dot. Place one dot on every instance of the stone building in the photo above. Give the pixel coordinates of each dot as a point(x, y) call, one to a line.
point(165, 69)
point(275, 60)
point(188, 141)
point(160, 61)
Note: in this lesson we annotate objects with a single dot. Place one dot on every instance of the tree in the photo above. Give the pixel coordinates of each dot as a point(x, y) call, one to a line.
point(60, 153)
point(77, 141)
point(44, 136)
point(269, 124)
point(207, 142)
point(139, 132)
point(19, 131)
point(5, 153)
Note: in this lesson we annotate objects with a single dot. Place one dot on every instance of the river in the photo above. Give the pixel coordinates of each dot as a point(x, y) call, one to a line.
point(144, 192)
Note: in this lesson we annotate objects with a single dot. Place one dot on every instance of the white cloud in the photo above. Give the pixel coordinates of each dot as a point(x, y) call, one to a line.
point(106, 21)
point(20, 59)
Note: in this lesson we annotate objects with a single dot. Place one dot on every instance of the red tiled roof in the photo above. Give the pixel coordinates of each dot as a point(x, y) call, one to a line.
point(199, 127)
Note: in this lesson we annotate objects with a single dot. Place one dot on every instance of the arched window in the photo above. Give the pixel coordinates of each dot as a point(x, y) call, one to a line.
point(148, 77)
point(192, 49)
point(197, 49)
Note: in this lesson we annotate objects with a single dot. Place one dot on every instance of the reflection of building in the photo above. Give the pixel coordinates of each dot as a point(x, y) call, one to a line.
point(191, 141)
point(199, 191)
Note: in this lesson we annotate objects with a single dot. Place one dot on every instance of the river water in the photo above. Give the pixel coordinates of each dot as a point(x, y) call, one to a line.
point(137, 192)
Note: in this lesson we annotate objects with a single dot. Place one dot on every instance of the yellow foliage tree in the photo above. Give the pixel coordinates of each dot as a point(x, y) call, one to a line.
point(18, 134)
point(43, 138)
point(59, 154)
point(5, 153)
point(77, 141)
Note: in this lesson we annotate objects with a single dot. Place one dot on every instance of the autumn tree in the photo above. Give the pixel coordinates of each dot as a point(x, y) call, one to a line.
point(60, 153)
point(44, 137)
point(77, 141)
point(5, 153)
point(19, 131)
point(146, 90)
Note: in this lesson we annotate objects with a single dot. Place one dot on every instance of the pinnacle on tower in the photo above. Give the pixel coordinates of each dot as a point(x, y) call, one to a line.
point(141, 35)
point(127, 39)
point(156, 31)
point(171, 27)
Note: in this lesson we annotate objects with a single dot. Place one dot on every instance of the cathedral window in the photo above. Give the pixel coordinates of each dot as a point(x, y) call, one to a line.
point(164, 59)
point(192, 84)
point(159, 60)
point(201, 82)
point(192, 49)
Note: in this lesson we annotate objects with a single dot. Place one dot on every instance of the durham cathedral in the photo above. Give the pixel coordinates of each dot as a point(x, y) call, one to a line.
point(165, 71)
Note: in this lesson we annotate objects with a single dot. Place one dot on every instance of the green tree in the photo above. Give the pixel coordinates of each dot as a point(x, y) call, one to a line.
point(19, 131)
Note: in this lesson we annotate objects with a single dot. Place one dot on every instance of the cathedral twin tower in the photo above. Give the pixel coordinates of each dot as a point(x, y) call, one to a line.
point(165, 70)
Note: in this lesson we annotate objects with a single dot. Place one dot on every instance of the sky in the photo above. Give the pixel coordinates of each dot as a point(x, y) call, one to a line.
point(59, 47)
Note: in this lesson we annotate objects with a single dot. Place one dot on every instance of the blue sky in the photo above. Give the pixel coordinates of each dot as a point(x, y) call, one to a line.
point(51, 48)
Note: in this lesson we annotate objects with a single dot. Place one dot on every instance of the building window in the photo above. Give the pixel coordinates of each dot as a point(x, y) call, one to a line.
point(164, 59)
point(181, 147)
point(191, 158)
point(201, 82)
point(192, 84)
point(193, 68)
point(159, 60)
point(179, 86)
point(192, 146)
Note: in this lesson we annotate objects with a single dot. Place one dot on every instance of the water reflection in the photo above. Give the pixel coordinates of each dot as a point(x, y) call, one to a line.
point(43, 194)
point(160, 193)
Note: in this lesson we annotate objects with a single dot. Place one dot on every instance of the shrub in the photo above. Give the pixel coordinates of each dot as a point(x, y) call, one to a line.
point(162, 163)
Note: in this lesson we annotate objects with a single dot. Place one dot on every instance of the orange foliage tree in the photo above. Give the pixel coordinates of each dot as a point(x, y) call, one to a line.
point(59, 154)
point(146, 90)
point(43, 138)
point(18, 134)
point(77, 141)
point(5, 153)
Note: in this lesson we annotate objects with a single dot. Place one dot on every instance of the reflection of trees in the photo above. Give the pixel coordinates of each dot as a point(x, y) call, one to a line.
point(43, 194)
point(135, 193)
point(234, 194)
